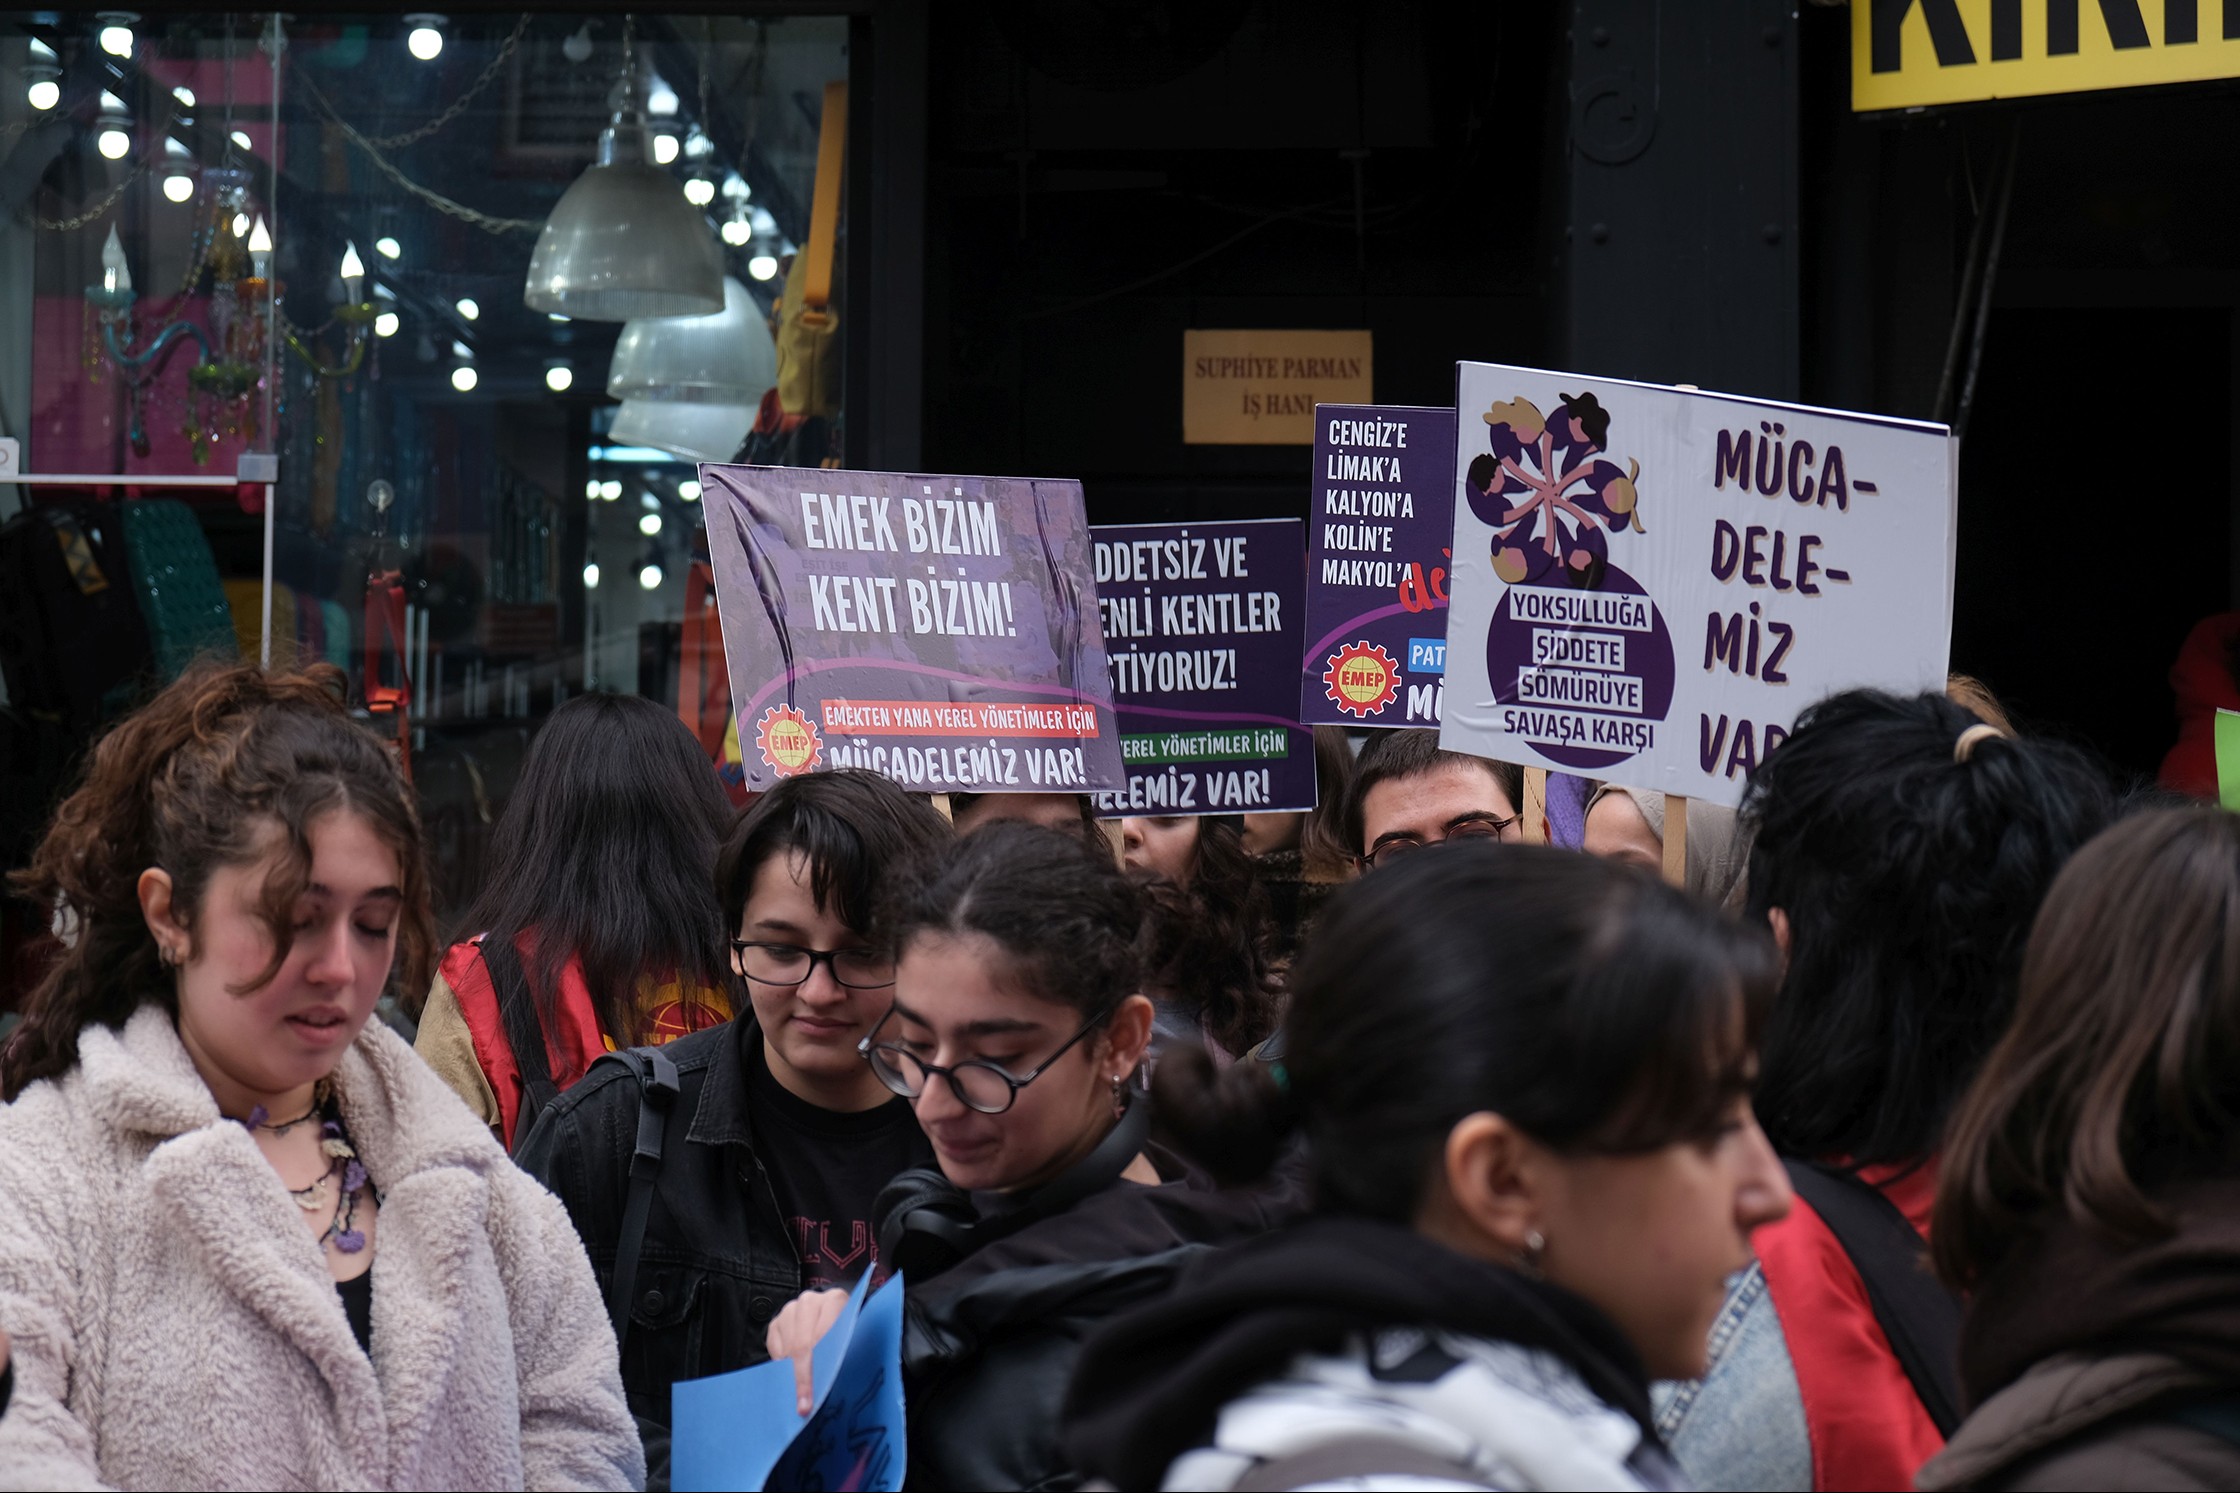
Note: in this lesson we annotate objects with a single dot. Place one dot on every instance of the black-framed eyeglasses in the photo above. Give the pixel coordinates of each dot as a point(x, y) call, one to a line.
point(790, 964)
point(978, 1084)
point(1477, 827)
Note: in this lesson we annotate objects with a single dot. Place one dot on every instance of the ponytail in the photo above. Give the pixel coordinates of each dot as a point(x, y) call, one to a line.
point(191, 782)
point(1598, 1010)
point(1234, 1122)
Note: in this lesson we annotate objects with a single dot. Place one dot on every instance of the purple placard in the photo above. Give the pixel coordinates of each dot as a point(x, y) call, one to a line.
point(940, 630)
point(1202, 624)
point(1377, 565)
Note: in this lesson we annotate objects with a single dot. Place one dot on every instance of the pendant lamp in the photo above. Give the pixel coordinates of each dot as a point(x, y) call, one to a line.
point(727, 358)
point(623, 242)
point(695, 432)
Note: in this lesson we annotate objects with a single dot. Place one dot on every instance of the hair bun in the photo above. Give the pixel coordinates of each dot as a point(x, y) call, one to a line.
point(1232, 1122)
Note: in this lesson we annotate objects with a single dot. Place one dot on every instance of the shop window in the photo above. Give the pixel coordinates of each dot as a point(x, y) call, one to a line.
point(356, 313)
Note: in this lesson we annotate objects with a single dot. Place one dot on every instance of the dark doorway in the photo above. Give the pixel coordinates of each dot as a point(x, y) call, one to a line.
point(2095, 516)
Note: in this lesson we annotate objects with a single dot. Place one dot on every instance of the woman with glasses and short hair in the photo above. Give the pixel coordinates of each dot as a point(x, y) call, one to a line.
point(779, 1136)
point(1017, 1023)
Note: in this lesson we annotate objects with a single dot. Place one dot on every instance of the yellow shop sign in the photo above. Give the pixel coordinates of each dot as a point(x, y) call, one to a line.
point(1909, 53)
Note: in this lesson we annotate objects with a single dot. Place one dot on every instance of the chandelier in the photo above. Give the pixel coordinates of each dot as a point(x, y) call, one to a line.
point(232, 253)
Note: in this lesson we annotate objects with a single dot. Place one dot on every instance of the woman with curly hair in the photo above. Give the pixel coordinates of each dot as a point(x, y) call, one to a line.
point(208, 1147)
point(1206, 954)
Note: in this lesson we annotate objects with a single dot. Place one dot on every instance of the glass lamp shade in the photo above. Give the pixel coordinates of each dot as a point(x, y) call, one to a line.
point(696, 432)
point(623, 242)
point(727, 358)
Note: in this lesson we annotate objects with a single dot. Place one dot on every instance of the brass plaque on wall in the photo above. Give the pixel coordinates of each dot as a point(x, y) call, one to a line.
point(1248, 387)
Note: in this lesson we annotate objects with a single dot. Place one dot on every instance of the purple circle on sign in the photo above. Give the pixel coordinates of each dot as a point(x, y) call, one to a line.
point(1600, 663)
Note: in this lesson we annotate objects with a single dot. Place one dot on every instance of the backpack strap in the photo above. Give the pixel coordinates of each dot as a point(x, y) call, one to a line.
point(1916, 1313)
point(536, 1093)
point(657, 1093)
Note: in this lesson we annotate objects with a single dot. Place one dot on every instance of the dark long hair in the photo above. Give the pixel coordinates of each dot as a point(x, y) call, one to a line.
point(1207, 944)
point(1322, 840)
point(191, 782)
point(2122, 1068)
point(606, 854)
point(1595, 1008)
point(1909, 879)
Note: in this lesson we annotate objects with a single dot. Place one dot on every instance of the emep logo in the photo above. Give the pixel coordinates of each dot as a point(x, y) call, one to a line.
point(1361, 679)
point(788, 740)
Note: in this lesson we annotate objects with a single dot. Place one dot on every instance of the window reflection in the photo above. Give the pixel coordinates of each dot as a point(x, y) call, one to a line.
point(232, 235)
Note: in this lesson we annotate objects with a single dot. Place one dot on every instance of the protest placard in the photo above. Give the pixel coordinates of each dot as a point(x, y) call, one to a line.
point(1650, 583)
point(2228, 758)
point(1201, 628)
point(1377, 565)
point(939, 630)
point(744, 1429)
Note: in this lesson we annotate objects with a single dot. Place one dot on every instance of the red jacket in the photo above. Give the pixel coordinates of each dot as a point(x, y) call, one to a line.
point(574, 1041)
point(1868, 1427)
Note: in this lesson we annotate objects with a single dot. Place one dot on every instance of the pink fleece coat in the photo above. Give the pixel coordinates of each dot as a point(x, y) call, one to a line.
point(175, 1325)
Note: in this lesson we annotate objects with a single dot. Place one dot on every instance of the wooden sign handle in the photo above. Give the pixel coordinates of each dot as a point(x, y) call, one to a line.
point(1535, 806)
point(1676, 839)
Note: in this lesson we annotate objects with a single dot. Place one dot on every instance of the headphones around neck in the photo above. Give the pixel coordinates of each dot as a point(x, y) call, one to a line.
point(926, 1223)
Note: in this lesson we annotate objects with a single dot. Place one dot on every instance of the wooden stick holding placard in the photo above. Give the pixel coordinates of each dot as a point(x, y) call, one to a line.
point(1676, 839)
point(1535, 810)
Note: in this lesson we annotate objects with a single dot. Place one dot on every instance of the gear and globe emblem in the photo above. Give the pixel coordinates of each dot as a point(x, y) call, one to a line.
point(788, 741)
point(1361, 679)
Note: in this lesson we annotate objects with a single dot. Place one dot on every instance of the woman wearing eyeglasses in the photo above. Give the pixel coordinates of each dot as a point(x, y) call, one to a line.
point(1016, 1025)
point(780, 1136)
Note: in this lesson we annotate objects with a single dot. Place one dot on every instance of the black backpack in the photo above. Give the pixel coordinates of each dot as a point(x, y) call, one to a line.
point(35, 757)
point(73, 647)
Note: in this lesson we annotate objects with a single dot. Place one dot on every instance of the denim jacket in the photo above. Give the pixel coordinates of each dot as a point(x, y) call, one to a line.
point(718, 1261)
point(1742, 1424)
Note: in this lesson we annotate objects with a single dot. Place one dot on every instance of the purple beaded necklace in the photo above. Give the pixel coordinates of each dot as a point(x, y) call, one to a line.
point(334, 1144)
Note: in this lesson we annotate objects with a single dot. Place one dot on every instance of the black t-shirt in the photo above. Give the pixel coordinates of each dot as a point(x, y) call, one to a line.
point(827, 1168)
point(357, 1304)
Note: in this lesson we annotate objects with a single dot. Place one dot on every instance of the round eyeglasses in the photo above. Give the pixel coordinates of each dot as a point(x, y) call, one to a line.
point(1483, 827)
point(790, 964)
point(978, 1084)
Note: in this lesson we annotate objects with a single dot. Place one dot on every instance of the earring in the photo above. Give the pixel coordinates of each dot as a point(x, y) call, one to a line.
point(166, 957)
point(1119, 1095)
point(1535, 1244)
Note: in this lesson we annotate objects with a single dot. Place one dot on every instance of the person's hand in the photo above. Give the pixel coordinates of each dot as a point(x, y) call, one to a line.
point(797, 1330)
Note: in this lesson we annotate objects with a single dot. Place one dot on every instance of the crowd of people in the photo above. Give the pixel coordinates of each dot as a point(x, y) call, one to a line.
point(1893, 1144)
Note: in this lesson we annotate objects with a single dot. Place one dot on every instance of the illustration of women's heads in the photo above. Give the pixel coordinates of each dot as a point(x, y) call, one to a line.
point(1589, 421)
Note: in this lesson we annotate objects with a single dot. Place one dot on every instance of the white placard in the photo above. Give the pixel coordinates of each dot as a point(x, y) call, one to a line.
point(1717, 564)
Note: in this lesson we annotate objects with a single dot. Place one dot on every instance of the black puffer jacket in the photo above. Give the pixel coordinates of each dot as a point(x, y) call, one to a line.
point(989, 1344)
